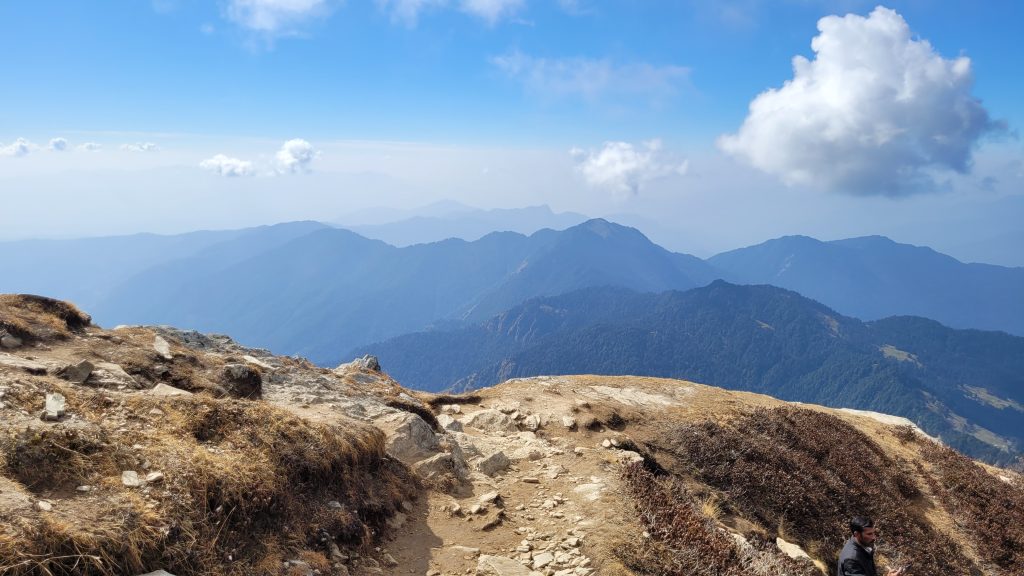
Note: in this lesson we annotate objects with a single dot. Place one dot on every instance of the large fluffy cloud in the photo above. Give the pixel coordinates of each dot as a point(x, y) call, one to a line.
point(295, 156)
point(624, 168)
point(590, 78)
point(274, 16)
point(227, 166)
point(19, 147)
point(58, 144)
point(877, 112)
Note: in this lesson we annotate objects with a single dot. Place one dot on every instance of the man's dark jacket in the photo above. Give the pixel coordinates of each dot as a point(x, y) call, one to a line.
point(854, 560)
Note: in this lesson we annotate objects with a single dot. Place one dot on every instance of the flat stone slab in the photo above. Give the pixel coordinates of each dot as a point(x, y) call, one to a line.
point(18, 363)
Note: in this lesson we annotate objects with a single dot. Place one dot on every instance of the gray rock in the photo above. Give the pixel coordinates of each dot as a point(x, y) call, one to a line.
point(367, 362)
point(54, 407)
point(165, 390)
point(242, 381)
point(16, 362)
point(409, 438)
point(157, 573)
point(154, 477)
point(500, 566)
point(493, 463)
point(439, 466)
point(8, 340)
point(77, 373)
point(543, 559)
point(130, 478)
point(531, 423)
point(110, 375)
point(569, 422)
point(446, 422)
point(491, 421)
point(163, 348)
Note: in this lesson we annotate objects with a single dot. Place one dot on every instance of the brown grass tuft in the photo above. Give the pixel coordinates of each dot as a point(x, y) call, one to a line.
point(39, 318)
point(243, 480)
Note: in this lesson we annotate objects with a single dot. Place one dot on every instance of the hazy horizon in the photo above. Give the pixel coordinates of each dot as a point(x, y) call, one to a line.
point(709, 127)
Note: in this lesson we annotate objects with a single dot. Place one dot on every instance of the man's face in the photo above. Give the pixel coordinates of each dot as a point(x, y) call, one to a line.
point(867, 537)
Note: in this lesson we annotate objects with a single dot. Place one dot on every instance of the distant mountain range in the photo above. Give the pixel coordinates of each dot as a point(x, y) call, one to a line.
point(441, 222)
point(311, 289)
point(966, 386)
point(873, 277)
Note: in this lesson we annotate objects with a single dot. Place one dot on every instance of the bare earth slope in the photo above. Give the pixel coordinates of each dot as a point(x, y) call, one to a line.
point(188, 453)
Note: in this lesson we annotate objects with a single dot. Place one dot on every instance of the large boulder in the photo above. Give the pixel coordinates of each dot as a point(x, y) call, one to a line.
point(441, 466)
point(493, 463)
point(409, 437)
point(18, 363)
point(367, 362)
point(491, 421)
point(76, 373)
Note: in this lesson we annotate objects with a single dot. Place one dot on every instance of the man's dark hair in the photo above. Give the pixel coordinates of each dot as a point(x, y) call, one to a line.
point(859, 523)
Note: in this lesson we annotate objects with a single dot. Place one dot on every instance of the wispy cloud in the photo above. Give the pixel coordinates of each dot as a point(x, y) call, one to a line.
point(624, 168)
point(877, 112)
point(590, 78)
point(140, 147)
point(275, 17)
point(227, 166)
point(407, 12)
point(89, 147)
point(18, 148)
point(491, 11)
point(296, 156)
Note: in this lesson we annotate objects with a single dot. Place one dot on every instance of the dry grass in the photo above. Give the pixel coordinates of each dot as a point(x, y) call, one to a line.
point(38, 318)
point(686, 540)
point(804, 473)
point(246, 486)
point(989, 509)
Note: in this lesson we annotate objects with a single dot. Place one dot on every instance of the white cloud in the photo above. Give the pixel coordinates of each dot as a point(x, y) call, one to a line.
point(877, 112)
point(590, 78)
point(407, 12)
point(295, 156)
point(19, 147)
point(89, 147)
point(140, 147)
point(492, 10)
point(625, 168)
point(58, 144)
point(274, 16)
point(227, 166)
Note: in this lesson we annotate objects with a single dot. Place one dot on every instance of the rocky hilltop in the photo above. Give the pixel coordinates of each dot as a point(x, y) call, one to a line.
point(143, 449)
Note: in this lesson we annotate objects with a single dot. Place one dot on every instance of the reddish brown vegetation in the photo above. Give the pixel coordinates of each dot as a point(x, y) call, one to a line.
point(805, 473)
point(988, 508)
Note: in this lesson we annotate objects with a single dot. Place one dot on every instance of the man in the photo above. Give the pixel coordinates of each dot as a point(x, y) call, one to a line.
point(858, 555)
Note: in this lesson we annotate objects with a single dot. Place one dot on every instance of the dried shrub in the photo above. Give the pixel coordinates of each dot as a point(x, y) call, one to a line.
point(417, 409)
point(811, 472)
point(442, 399)
point(685, 541)
point(990, 510)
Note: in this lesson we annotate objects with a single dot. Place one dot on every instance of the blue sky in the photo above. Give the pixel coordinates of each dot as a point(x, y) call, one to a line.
point(638, 107)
